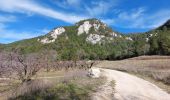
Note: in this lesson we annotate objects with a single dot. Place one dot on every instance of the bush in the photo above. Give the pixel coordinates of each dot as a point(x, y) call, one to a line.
point(68, 88)
point(61, 91)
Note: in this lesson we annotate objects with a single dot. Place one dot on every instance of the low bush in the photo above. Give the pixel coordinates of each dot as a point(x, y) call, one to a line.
point(74, 87)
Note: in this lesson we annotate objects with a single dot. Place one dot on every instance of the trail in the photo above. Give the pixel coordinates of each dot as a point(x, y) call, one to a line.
point(128, 87)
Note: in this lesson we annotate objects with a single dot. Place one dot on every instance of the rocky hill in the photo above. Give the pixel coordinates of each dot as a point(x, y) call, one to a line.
point(93, 39)
point(92, 30)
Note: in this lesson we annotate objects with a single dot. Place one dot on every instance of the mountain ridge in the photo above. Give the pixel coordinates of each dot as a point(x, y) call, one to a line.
point(93, 39)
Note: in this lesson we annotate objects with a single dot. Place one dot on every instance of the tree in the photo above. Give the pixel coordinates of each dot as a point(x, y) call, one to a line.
point(164, 44)
point(17, 66)
point(154, 47)
point(48, 58)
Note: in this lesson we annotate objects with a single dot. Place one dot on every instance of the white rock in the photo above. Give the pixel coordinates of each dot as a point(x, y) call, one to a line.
point(46, 41)
point(84, 28)
point(95, 73)
point(114, 34)
point(150, 35)
point(96, 26)
point(147, 39)
point(54, 34)
point(57, 32)
point(129, 38)
point(94, 38)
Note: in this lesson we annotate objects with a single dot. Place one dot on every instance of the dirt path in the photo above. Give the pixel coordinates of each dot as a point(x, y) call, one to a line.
point(128, 87)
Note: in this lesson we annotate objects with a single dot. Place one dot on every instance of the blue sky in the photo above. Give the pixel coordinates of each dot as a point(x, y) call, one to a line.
point(22, 19)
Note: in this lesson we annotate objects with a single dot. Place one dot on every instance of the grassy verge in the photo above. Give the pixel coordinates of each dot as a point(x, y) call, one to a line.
point(76, 89)
point(73, 85)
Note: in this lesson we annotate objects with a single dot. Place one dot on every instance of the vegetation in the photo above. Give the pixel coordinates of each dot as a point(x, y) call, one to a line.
point(160, 44)
point(23, 63)
point(21, 76)
point(71, 90)
point(70, 46)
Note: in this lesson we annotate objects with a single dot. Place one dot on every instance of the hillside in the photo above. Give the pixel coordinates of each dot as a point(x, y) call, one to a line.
point(93, 39)
point(157, 40)
point(87, 39)
point(160, 41)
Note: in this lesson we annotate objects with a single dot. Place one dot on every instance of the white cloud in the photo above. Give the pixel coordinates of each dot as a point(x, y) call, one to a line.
point(134, 14)
point(7, 19)
point(67, 3)
point(109, 21)
point(44, 31)
point(140, 19)
point(98, 9)
point(92, 8)
point(101, 7)
point(30, 6)
point(11, 36)
point(7, 35)
point(16, 36)
point(73, 2)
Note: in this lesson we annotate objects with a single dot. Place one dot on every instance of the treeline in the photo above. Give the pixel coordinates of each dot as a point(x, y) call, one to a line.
point(156, 42)
point(16, 65)
point(160, 44)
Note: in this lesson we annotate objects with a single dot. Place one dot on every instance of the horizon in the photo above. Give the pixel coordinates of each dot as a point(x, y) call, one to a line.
point(31, 18)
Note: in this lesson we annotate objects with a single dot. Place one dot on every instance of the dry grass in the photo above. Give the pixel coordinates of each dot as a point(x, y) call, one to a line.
point(29, 87)
point(154, 69)
point(150, 57)
point(55, 81)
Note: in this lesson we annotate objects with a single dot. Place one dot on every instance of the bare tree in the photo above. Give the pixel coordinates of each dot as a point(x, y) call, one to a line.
point(5, 70)
point(48, 59)
point(18, 66)
point(27, 67)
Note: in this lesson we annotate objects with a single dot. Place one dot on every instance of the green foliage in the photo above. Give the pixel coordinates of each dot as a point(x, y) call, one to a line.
point(60, 91)
point(73, 89)
point(70, 46)
point(160, 44)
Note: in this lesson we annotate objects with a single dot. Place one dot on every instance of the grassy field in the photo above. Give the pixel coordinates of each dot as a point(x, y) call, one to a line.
point(155, 69)
point(53, 85)
point(75, 84)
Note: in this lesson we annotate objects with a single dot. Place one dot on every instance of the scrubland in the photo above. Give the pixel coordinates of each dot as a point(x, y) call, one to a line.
point(63, 85)
point(32, 77)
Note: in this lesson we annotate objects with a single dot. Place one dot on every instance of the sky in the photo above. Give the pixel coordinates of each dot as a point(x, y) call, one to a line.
point(23, 19)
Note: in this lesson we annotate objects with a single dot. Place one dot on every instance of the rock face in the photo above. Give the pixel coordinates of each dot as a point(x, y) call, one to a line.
point(57, 32)
point(129, 38)
point(94, 38)
point(84, 28)
point(53, 34)
point(94, 30)
point(46, 40)
point(87, 25)
point(96, 26)
point(114, 34)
